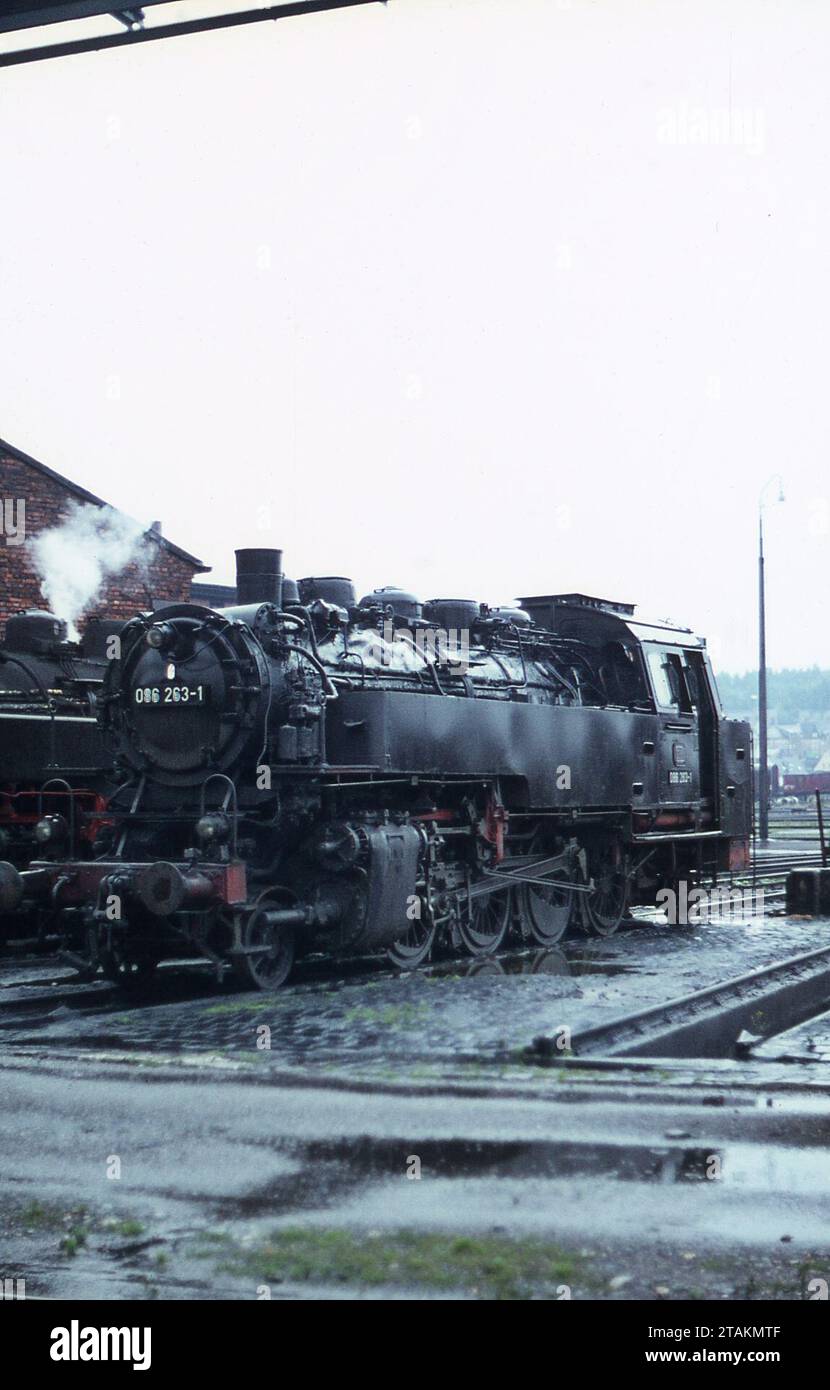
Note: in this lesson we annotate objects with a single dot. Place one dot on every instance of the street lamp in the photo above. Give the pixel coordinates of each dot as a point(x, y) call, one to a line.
point(763, 774)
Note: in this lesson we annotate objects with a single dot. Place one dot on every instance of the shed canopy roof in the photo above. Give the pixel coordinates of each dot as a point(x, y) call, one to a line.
point(15, 15)
point(84, 26)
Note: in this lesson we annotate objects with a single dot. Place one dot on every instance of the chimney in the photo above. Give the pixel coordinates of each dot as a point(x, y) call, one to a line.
point(259, 576)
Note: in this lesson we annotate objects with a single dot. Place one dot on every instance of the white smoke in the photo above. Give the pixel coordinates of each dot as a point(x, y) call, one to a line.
point(75, 558)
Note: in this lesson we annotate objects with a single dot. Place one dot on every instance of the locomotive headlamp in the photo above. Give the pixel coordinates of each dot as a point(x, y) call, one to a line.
point(213, 829)
point(161, 636)
point(51, 830)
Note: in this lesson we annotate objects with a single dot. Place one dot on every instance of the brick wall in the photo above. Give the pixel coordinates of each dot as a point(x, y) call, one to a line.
point(168, 576)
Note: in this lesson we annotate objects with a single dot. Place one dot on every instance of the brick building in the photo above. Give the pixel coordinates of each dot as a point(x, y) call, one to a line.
point(165, 574)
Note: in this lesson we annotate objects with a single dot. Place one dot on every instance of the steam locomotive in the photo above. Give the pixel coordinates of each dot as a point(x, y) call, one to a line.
point(52, 754)
point(303, 772)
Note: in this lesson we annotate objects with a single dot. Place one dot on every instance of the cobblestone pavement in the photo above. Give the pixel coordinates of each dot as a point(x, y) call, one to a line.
point(454, 1008)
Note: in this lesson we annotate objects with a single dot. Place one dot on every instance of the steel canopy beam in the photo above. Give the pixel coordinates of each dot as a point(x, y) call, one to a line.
point(171, 31)
point(35, 16)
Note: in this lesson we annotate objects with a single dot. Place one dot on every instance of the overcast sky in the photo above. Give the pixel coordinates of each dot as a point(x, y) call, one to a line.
point(480, 297)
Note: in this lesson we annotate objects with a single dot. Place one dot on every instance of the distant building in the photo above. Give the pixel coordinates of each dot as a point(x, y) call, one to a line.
point(213, 595)
point(47, 495)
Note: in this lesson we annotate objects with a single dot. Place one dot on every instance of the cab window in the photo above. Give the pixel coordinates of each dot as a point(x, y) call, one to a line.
point(669, 678)
point(659, 676)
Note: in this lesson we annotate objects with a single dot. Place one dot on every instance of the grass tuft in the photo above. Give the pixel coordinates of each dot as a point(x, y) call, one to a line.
point(484, 1265)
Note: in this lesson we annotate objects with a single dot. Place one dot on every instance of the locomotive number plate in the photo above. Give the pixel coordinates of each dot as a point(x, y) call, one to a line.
point(679, 779)
point(170, 695)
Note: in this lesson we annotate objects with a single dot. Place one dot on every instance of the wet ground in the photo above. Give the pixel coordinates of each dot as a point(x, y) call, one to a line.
point(366, 1133)
point(373, 1019)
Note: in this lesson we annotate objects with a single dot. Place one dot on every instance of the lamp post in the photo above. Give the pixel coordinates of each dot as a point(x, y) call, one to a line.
point(763, 773)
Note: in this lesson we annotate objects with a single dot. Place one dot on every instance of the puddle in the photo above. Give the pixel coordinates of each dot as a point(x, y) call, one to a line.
point(586, 964)
point(514, 1159)
point(327, 1170)
point(552, 960)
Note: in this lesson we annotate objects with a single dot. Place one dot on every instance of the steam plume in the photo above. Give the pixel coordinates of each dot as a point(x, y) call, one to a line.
point(74, 559)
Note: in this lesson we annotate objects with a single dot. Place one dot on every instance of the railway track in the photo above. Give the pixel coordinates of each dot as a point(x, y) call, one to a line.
point(769, 872)
point(724, 1020)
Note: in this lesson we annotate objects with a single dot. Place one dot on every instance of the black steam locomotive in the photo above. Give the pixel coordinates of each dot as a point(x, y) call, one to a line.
point(52, 753)
point(304, 772)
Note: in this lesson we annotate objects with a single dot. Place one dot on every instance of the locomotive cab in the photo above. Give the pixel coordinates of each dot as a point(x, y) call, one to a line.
point(695, 765)
point(687, 750)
